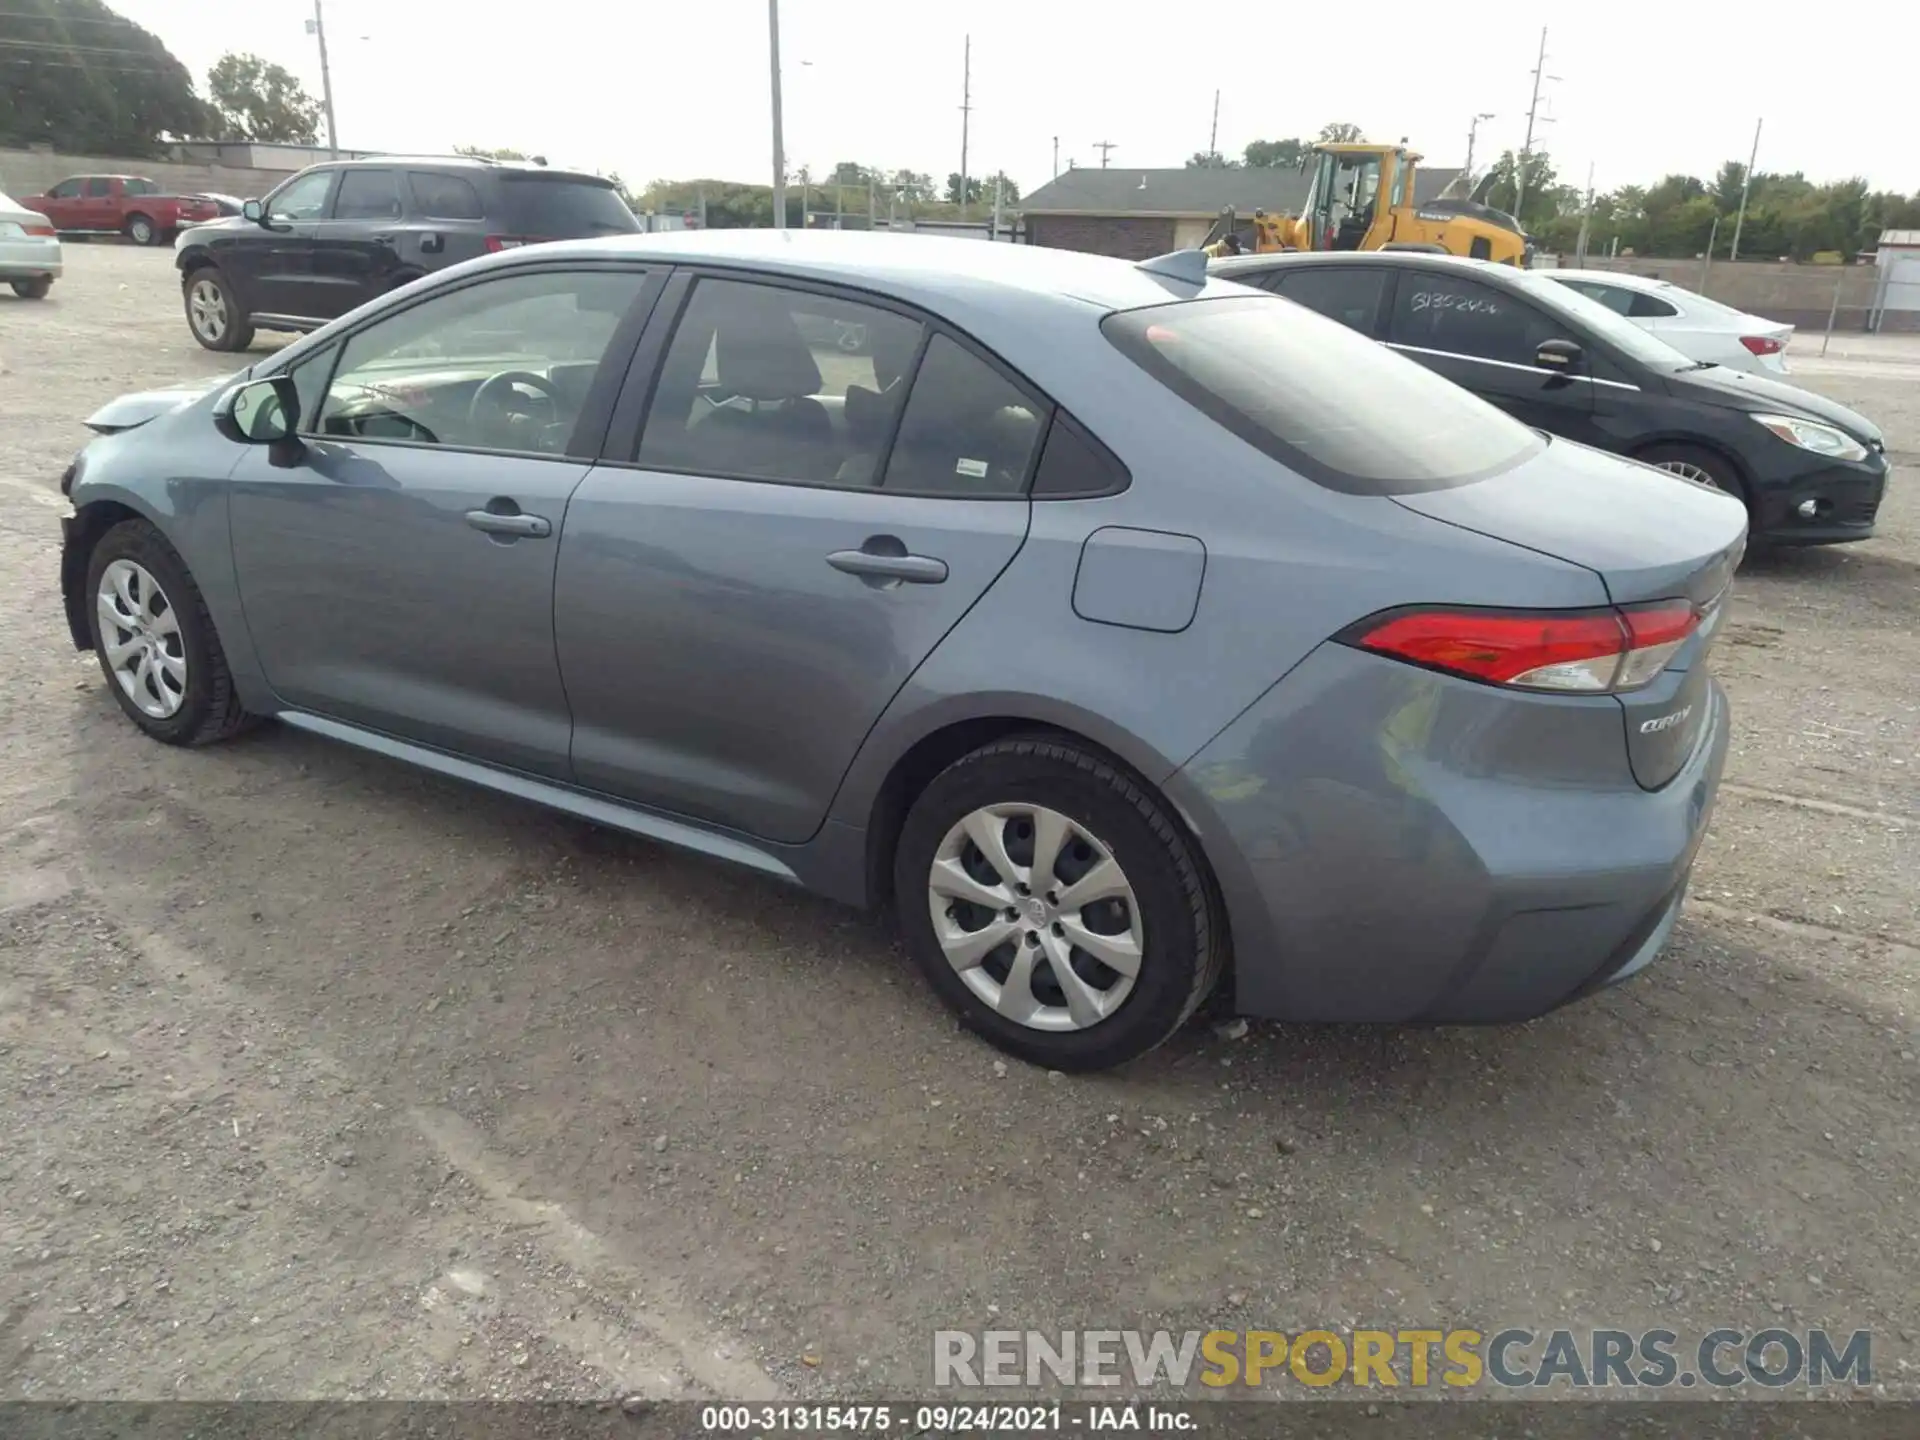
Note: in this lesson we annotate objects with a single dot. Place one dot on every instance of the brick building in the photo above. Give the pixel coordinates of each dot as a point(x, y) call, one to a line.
point(1137, 214)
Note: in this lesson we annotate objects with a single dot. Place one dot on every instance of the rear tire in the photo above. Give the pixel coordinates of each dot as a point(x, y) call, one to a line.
point(156, 642)
point(1151, 905)
point(33, 289)
point(141, 230)
point(214, 313)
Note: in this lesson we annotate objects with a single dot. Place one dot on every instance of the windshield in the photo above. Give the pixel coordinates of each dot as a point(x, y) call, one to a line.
point(1609, 325)
point(1322, 399)
point(561, 208)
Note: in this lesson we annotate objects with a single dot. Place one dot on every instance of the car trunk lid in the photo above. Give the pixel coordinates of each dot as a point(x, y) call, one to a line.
point(1649, 535)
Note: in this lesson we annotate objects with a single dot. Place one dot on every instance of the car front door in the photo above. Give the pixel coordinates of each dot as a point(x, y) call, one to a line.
point(1487, 339)
point(397, 570)
point(276, 265)
point(743, 591)
point(355, 250)
point(64, 205)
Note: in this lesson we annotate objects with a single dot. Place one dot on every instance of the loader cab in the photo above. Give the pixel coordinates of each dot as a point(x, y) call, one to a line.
point(1355, 194)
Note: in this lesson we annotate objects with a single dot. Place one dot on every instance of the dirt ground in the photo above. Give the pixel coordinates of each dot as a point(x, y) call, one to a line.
point(326, 1079)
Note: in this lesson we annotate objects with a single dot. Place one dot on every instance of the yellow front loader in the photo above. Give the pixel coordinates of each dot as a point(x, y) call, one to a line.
point(1361, 198)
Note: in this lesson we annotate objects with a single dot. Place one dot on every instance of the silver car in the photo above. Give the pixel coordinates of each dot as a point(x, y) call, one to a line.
point(1125, 629)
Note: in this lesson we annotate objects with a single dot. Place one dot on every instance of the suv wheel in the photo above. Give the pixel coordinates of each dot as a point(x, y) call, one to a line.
point(142, 230)
point(156, 641)
point(1056, 904)
point(35, 288)
point(213, 314)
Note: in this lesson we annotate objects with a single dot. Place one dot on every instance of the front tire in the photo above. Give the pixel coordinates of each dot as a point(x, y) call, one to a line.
point(1703, 466)
point(156, 642)
point(214, 313)
point(142, 231)
point(1056, 904)
point(35, 288)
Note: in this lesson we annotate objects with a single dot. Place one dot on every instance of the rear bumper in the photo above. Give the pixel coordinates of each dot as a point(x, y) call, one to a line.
point(24, 259)
point(1845, 498)
point(1396, 845)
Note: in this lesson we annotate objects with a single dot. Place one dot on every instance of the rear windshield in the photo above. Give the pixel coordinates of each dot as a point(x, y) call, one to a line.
point(1325, 401)
point(556, 208)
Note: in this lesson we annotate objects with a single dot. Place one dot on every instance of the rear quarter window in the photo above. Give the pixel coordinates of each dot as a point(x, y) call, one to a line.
point(1341, 410)
point(563, 209)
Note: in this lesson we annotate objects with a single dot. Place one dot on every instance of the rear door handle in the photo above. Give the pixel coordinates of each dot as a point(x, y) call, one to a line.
point(533, 527)
point(872, 565)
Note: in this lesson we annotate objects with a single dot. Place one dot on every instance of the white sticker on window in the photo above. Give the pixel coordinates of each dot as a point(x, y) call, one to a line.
point(975, 468)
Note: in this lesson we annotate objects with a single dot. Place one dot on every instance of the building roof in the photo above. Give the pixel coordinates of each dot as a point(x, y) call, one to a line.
point(1195, 193)
point(1901, 238)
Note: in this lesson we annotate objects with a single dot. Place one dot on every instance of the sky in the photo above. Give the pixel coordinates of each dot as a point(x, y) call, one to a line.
point(669, 90)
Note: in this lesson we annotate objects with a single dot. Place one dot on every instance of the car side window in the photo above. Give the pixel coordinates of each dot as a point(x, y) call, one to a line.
point(1647, 307)
point(1611, 296)
point(967, 430)
point(302, 198)
point(444, 197)
point(764, 382)
point(139, 187)
point(505, 364)
point(367, 195)
point(1351, 296)
point(1459, 316)
point(99, 185)
point(65, 190)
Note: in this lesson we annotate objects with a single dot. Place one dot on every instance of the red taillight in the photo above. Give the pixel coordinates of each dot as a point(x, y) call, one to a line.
point(1591, 651)
point(40, 230)
point(1762, 344)
point(497, 243)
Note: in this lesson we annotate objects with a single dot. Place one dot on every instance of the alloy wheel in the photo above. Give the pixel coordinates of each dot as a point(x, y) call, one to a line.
point(207, 309)
point(1036, 916)
point(141, 640)
point(1696, 473)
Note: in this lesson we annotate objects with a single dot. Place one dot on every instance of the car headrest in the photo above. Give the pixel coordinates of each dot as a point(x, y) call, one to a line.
point(759, 351)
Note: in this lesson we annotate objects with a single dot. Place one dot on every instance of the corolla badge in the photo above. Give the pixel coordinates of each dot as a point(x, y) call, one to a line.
point(1665, 722)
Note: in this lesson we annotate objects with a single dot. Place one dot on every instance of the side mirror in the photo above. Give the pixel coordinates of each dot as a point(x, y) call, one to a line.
point(254, 211)
point(259, 412)
point(1561, 355)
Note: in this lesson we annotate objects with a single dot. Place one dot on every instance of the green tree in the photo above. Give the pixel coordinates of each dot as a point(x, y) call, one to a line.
point(258, 100)
point(480, 152)
point(77, 75)
point(1341, 132)
point(1210, 160)
point(1544, 195)
point(1727, 185)
point(1275, 154)
point(848, 173)
point(953, 195)
point(914, 187)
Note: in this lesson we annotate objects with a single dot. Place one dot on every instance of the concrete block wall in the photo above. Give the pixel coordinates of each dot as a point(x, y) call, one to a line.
point(30, 172)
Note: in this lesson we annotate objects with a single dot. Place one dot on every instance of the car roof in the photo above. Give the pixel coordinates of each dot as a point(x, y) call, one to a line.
point(461, 162)
point(937, 272)
point(1405, 259)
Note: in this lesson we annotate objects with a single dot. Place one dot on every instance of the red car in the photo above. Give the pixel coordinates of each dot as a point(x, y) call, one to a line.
point(129, 205)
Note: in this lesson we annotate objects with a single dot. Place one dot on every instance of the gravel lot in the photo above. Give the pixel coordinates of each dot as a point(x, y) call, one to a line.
point(323, 1078)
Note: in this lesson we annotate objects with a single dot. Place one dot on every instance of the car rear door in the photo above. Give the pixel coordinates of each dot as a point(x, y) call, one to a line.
point(773, 547)
point(397, 570)
point(97, 208)
point(1486, 338)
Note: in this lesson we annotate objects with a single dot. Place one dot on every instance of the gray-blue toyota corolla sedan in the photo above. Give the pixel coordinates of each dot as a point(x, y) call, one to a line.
point(1124, 629)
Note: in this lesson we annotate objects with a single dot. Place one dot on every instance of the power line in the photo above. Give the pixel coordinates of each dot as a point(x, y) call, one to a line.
point(65, 48)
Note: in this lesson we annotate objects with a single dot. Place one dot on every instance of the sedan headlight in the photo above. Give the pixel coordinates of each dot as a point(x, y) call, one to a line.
point(1810, 435)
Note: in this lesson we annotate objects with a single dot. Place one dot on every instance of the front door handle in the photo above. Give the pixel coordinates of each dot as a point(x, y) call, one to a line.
point(532, 527)
point(879, 567)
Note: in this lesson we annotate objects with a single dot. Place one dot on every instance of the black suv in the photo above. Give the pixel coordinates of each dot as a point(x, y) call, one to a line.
point(1811, 472)
point(336, 235)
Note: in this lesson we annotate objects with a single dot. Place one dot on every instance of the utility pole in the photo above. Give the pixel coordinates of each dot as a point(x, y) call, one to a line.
point(1056, 157)
point(1213, 135)
point(1533, 108)
point(994, 233)
point(318, 29)
point(1103, 146)
point(806, 198)
point(779, 141)
point(1586, 222)
point(1473, 134)
point(1746, 185)
point(872, 208)
point(966, 114)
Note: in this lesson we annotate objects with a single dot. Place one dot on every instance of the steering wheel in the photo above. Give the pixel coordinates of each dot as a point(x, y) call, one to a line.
point(493, 407)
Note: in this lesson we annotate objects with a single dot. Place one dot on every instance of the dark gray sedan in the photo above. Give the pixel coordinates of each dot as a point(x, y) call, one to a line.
point(1125, 629)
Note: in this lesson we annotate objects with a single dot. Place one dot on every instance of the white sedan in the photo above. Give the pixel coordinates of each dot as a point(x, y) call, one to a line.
point(29, 250)
point(1697, 327)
